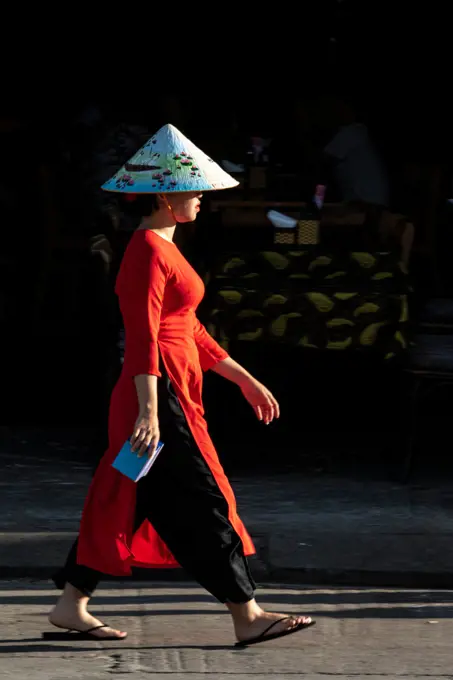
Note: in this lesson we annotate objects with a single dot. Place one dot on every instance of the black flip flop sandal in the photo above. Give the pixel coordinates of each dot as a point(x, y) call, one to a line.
point(274, 636)
point(72, 634)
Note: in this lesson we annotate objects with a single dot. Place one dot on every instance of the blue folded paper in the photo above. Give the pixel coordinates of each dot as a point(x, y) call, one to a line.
point(129, 464)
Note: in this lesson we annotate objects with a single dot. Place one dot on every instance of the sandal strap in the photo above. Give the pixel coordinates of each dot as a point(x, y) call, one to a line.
point(263, 634)
point(91, 630)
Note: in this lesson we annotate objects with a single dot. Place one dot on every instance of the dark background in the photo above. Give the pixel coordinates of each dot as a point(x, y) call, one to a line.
point(390, 64)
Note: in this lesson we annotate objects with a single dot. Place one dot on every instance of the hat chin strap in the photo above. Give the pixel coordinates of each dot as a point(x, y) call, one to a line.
point(169, 208)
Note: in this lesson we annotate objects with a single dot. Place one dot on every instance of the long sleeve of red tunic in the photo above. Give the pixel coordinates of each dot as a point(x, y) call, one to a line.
point(209, 350)
point(141, 310)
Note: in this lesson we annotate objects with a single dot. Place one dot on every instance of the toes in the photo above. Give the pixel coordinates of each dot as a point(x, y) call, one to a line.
point(108, 632)
point(299, 620)
point(119, 634)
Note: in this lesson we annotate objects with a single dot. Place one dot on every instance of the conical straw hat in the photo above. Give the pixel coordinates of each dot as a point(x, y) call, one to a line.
point(169, 162)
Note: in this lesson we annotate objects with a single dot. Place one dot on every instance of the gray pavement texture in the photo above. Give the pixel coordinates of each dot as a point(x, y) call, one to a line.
point(318, 529)
point(178, 631)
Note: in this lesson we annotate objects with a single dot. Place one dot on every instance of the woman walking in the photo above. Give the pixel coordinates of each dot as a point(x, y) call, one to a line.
point(183, 512)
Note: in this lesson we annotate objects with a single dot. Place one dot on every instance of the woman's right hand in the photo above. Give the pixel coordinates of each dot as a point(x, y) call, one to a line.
point(146, 434)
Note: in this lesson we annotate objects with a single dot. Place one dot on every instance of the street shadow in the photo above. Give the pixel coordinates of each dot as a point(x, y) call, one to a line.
point(282, 597)
point(368, 596)
point(38, 599)
point(420, 611)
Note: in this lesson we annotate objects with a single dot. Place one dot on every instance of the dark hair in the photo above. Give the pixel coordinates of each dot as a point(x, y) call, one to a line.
point(141, 206)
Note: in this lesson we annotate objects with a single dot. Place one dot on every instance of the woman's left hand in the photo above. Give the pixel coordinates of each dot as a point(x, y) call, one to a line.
point(262, 401)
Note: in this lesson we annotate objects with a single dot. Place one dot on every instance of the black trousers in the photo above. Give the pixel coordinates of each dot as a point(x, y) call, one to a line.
point(183, 502)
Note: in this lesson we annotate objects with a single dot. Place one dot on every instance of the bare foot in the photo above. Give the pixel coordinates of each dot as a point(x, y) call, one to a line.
point(71, 618)
point(245, 630)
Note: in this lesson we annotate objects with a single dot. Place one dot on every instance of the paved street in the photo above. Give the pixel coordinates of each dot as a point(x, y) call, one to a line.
point(178, 631)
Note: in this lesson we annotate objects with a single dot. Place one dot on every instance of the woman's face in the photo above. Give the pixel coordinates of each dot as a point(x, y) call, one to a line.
point(185, 206)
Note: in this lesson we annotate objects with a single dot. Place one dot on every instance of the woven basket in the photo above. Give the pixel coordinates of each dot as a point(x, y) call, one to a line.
point(286, 236)
point(308, 232)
